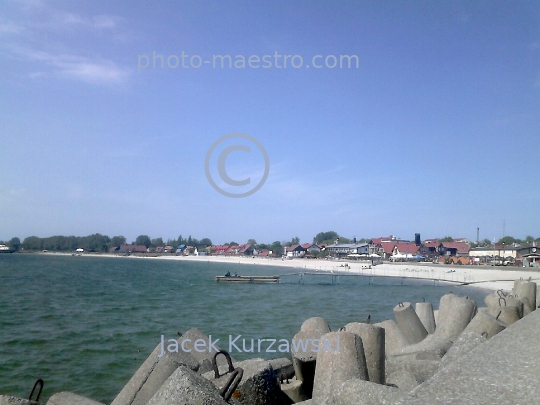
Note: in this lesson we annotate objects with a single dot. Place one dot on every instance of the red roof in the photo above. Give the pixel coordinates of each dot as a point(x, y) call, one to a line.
point(245, 247)
point(306, 245)
point(405, 247)
point(383, 239)
point(461, 247)
point(388, 247)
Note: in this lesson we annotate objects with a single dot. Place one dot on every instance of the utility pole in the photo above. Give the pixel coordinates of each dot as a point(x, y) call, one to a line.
point(477, 235)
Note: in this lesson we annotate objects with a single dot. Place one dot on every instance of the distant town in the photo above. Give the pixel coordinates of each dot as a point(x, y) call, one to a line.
point(508, 251)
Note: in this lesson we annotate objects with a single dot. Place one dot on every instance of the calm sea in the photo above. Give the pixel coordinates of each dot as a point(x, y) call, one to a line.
point(85, 324)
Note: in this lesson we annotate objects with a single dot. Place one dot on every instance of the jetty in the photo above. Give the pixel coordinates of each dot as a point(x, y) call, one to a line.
point(333, 278)
point(247, 279)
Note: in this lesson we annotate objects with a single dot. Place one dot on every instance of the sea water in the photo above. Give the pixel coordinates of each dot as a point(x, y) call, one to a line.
point(85, 324)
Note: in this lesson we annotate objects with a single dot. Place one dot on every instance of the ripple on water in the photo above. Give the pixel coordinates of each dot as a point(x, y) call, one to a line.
point(89, 323)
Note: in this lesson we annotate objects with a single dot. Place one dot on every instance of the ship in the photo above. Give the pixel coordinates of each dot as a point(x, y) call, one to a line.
point(6, 249)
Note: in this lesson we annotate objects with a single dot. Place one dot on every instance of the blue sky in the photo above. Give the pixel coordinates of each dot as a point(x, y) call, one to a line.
point(435, 131)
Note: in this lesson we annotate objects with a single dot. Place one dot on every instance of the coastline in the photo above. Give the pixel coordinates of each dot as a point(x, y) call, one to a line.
point(485, 277)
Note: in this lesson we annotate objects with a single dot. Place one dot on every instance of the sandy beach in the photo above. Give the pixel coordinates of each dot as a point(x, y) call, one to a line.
point(487, 277)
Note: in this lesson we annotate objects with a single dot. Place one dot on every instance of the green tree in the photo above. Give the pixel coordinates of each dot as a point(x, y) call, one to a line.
point(252, 242)
point(118, 240)
point(157, 242)
point(14, 243)
point(529, 239)
point(205, 241)
point(276, 248)
point(32, 243)
point(143, 240)
point(232, 243)
point(508, 240)
point(446, 239)
point(325, 237)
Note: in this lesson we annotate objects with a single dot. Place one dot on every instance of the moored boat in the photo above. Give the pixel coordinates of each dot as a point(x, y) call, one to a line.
point(6, 249)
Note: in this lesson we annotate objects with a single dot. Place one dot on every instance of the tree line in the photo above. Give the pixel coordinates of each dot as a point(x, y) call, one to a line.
point(95, 243)
point(103, 243)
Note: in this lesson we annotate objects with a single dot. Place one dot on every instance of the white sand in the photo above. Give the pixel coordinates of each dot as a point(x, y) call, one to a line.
point(489, 277)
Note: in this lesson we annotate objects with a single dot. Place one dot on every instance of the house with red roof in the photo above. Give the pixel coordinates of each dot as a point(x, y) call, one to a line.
point(220, 249)
point(457, 249)
point(404, 251)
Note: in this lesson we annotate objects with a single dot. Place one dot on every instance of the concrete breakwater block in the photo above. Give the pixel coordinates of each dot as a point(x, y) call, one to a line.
point(484, 324)
point(527, 307)
point(283, 367)
point(341, 358)
point(455, 313)
point(507, 315)
point(524, 289)
point(315, 325)
point(186, 387)
point(393, 338)
point(466, 342)
point(304, 352)
point(294, 391)
point(152, 374)
point(499, 299)
point(188, 342)
point(408, 322)
point(259, 385)
point(373, 341)
point(9, 400)
point(69, 398)
point(359, 392)
point(483, 377)
point(424, 310)
point(421, 369)
point(404, 380)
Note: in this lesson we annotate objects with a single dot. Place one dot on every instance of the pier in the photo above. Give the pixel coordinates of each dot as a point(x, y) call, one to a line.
point(334, 278)
point(248, 279)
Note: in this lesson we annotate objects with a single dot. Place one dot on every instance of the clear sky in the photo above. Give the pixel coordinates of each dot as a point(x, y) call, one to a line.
point(436, 130)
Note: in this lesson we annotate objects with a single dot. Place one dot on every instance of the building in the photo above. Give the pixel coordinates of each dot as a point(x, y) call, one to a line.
point(530, 256)
point(345, 249)
point(295, 251)
point(457, 249)
point(494, 255)
point(405, 251)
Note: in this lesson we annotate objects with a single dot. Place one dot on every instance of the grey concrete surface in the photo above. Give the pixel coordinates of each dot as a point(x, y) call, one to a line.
point(186, 387)
point(424, 310)
point(409, 323)
point(485, 323)
point(505, 370)
point(9, 400)
point(69, 398)
point(373, 341)
point(341, 359)
point(393, 338)
point(151, 375)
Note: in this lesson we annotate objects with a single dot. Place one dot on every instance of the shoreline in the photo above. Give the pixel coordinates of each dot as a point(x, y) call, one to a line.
point(485, 277)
